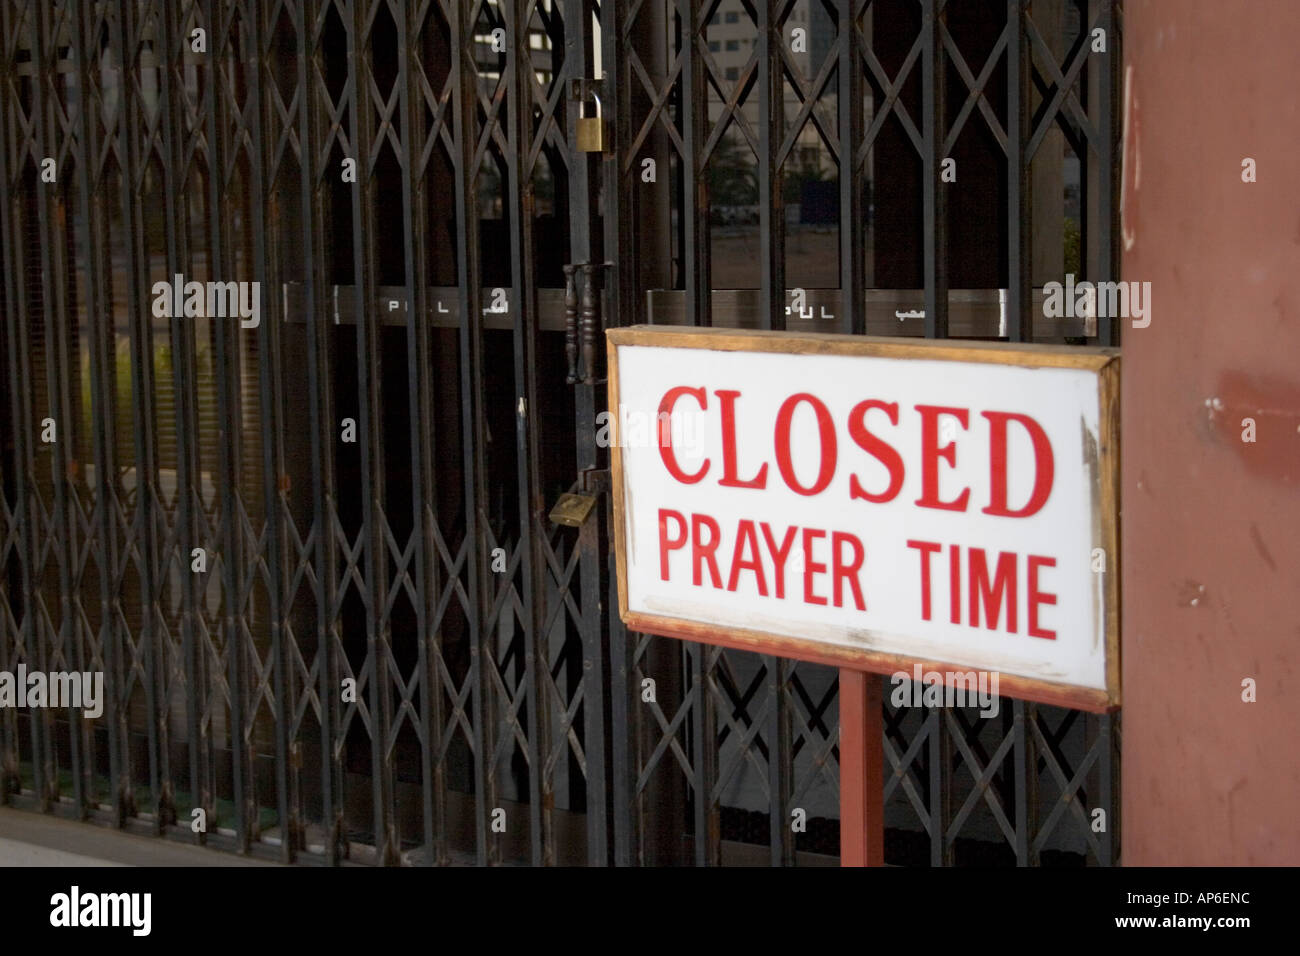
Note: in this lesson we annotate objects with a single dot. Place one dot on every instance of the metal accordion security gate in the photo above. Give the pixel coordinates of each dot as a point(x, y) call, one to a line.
point(302, 315)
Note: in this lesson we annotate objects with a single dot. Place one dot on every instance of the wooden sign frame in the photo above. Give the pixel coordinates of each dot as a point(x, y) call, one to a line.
point(1103, 361)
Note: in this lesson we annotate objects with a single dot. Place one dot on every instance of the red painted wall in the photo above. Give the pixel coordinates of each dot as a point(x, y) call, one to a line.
point(1211, 524)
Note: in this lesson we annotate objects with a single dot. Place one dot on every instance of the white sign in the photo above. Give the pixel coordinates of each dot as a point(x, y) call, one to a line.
point(872, 502)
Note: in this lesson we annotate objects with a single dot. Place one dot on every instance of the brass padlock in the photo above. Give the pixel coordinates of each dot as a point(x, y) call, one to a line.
point(572, 509)
point(591, 131)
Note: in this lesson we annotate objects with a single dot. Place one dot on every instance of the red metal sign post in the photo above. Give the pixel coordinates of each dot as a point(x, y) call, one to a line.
point(862, 819)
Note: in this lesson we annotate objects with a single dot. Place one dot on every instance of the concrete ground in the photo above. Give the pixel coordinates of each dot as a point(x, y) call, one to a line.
point(33, 839)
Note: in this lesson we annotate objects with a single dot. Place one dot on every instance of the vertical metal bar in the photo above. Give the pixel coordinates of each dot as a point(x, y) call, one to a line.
point(584, 170)
point(10, 777)
point(935, 232)
point(1031, 784)
point(1106, 775)
point(43, 769)
point(654, 816)
point(853, 318)
point(696, 261)
point(620, 295)
point(582, 178)
point(20, 387)
point(24, 469)
point(651, 259)
point(228, 410)
point(862, 784)
point(54, 284)
point(285, 217)
point(80, 731)
point(370, 436)
point(1021, 751)
point(771, 210)
point(1020, 325)
point(270, 420)
point(320, 415)
point(151, 511)
point(82, 151)
point(93, 216)
point(623, 731)
point(779, 761)
point(594, 692)
point(708, 838)
point(940, 754)
point(415, 226)
point(1107, 224)
point(202, 651)
point(471, 383)
point(184, 396)
point(126, 38)
point(519, 207)
point(696, 256)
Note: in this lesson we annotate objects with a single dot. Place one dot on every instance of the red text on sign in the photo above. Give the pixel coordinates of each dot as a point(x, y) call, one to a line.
point(756, 551)
point(991, 587)
point(865, 422)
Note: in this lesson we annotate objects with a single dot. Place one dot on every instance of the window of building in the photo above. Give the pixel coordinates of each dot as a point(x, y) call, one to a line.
point(733, 17)
point(714, 46)
point(732, 72)
point(733, 45)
